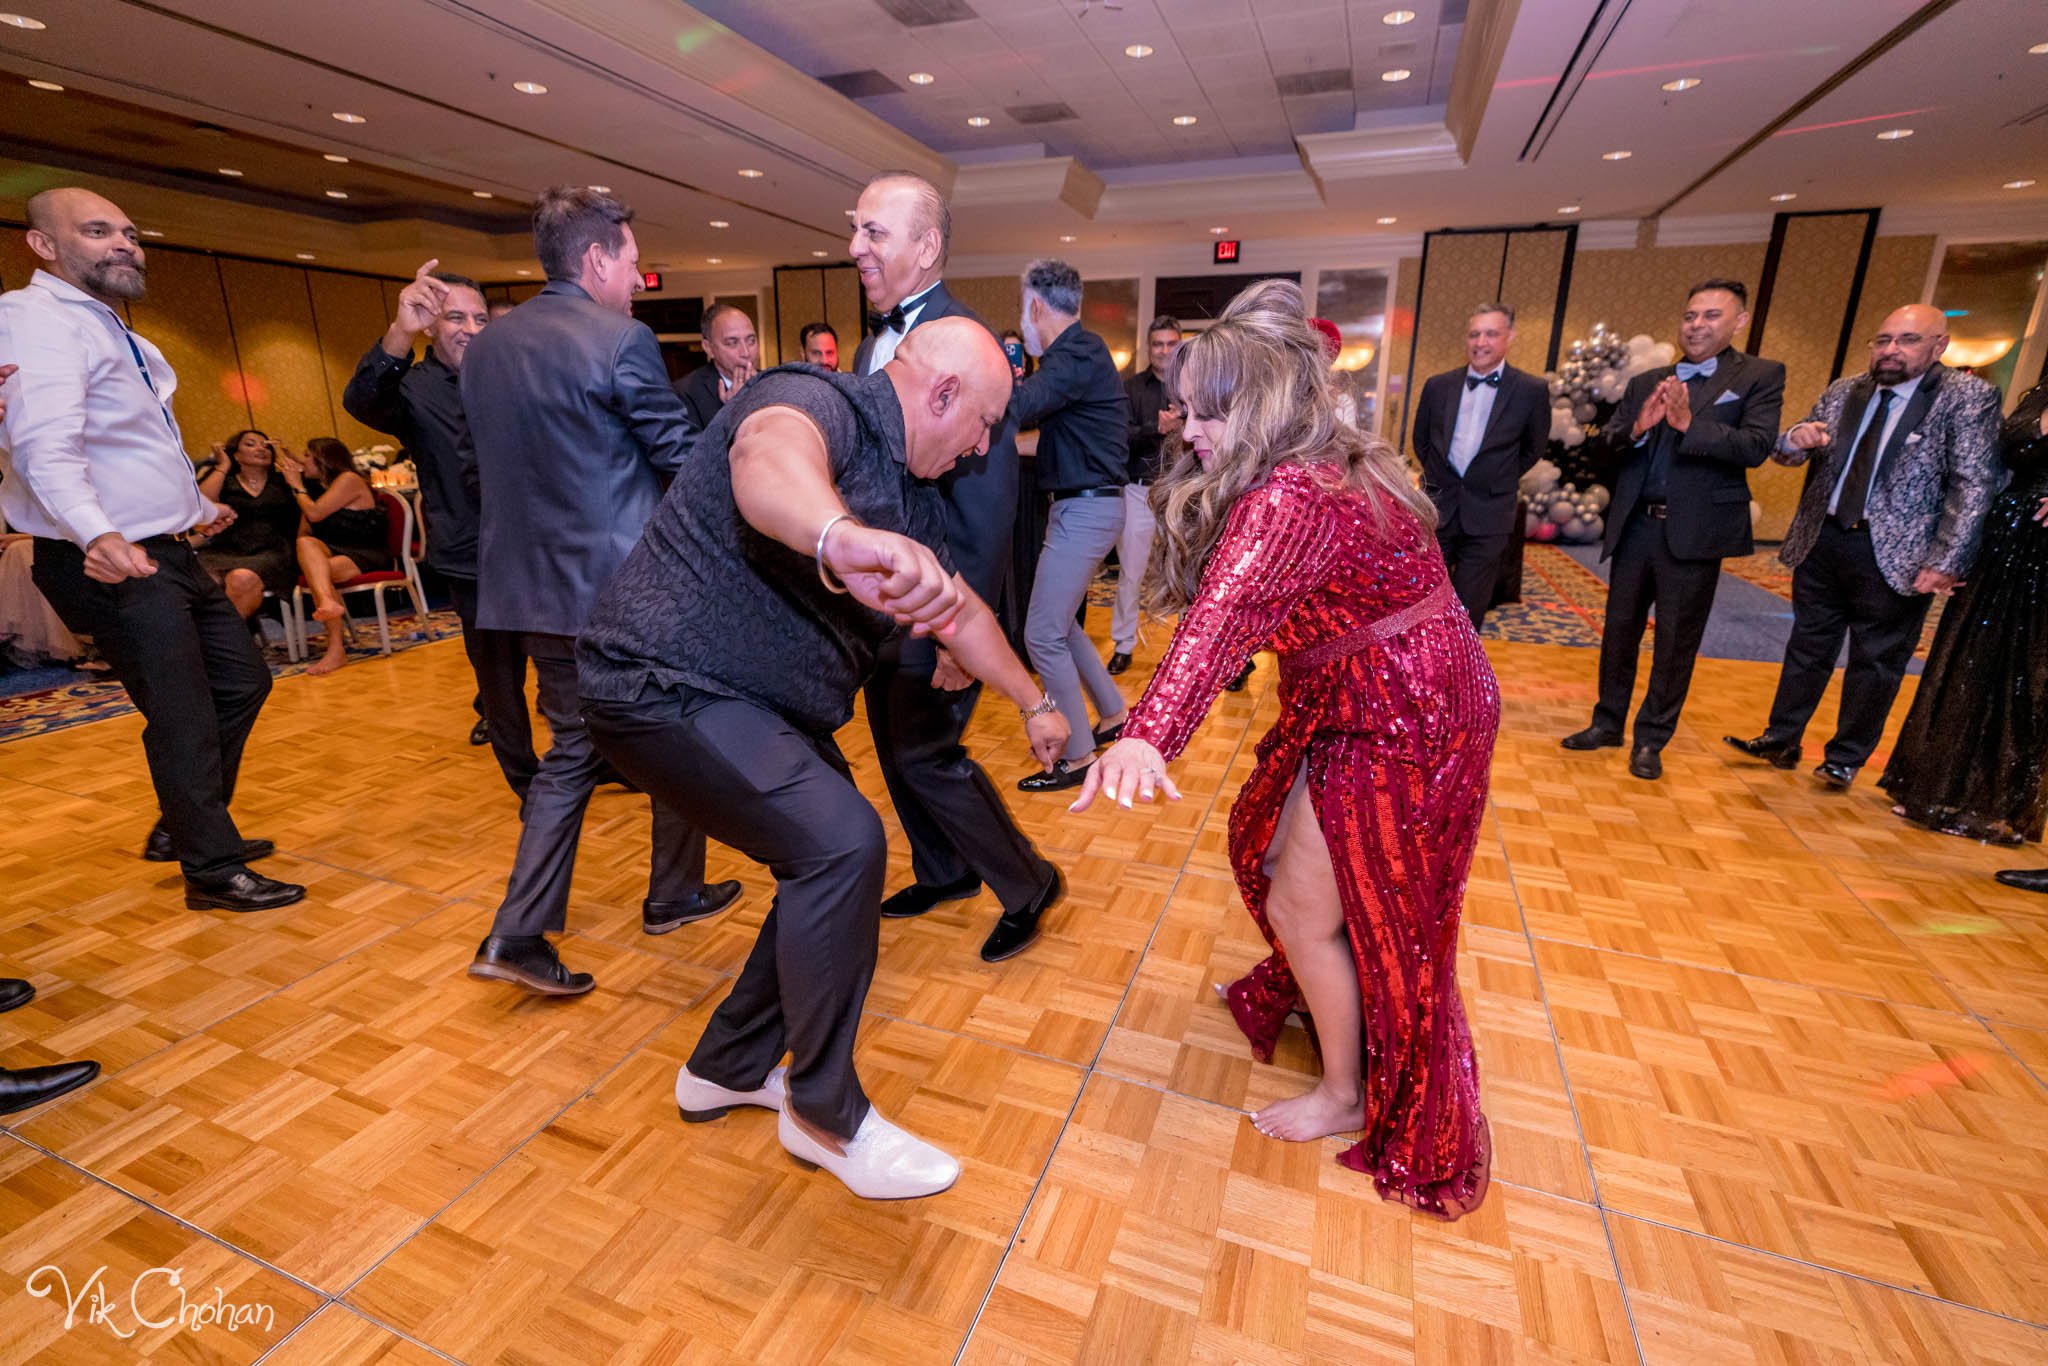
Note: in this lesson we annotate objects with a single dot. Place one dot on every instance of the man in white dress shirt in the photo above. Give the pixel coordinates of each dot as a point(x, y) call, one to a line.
point(95, 469)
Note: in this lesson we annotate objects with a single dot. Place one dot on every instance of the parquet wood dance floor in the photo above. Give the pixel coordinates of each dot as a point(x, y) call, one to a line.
point(1765, 1069)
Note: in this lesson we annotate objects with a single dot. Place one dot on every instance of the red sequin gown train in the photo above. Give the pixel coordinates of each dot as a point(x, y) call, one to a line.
point(1387, 698)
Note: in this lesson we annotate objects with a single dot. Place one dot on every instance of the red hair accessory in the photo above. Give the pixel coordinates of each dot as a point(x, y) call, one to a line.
point(1333, 340)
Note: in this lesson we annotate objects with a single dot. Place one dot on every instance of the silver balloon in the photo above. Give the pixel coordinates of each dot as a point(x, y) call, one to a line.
point(1585, 412)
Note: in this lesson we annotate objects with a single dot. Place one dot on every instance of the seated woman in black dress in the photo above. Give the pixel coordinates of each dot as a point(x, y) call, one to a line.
point(346, 535)
point(257, 552)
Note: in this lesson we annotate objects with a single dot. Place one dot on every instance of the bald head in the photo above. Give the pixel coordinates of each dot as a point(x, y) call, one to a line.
point(1908, 343)
point(954, 384)
point(85, 240)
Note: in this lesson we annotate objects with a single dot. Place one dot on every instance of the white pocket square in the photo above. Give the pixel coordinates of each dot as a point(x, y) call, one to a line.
point(1912, 437)
point(1728, 396)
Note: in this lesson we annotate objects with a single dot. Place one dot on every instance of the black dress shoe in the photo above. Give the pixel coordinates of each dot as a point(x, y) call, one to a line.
point(1646, 763)
point(22, 1087)
point(1237, 684)
point(1837, 776)
point(659, 917)
point(15, 993)
point(1016, 929)
point(1119, 661)
point(480, 733)
point(1109, 735)
point(1778, 753)
point(243, 891)
point(918, 898)
point(528, 961)
point(1592, 737)
point(158, 847)
point(1060, 777)
point(2026, 879)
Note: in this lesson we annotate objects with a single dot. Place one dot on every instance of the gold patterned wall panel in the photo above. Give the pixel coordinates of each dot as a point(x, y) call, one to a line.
point(1529, 286)
point(1642, 289)
point(1400, 346)
point(1896, 276)
point(186, 315)
point(1464, 270)
point(846, 308)
point(273, 320)
point(349, 313)
point(995, 297)
point(17, 262)
point(799, 300)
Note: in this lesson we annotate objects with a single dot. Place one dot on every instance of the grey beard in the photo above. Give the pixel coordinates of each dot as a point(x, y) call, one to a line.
point(101, 279)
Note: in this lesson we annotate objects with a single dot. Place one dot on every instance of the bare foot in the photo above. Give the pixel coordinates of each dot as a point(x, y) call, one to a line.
point(1315, 1115)
point(326, 611)
point(327, 664)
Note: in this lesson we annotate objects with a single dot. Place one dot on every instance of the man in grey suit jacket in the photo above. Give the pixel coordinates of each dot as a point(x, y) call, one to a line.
point(919, 702)
point(1901, 466)
point(573, 430)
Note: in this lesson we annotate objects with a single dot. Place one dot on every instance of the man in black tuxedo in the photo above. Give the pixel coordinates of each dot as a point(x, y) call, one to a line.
point(1477, 432)
point(918, 700)
point(572, 427)
point(1678, 450)
point(734, 354)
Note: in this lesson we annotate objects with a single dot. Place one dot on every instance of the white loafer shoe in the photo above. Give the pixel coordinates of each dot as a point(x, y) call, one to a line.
point(882, 1163)
point(701, 1100)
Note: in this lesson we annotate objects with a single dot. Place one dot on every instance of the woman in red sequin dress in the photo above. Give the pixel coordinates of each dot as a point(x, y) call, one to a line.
point(1280, 527)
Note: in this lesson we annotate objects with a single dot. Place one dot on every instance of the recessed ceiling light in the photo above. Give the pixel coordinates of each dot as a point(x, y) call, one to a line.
point(1894, 134)
point(922, 78)
point(749, 173)
point(1568, 208)
point(1184, 120)
point(307, 256)
point(522, 272)
point(231, 172)
point(715, 260)
point(1616, 156)
point(1138, 50)
point(1399, 73)
point(1218, 231)
point(602, 189)
point(1384, 221)
point(46, 85)
point(978, 121)
point(152, 232)
point(1682, 83)
point(1398, 17)
point(337, 158)
point(1066, 237)
point(342, 116)
point(720, 223)
point(2017, 185)
point(482, 194)
point(821, 253)
point(337, 194)
point(21, 21)
point(1785, 198)
point(529, 87)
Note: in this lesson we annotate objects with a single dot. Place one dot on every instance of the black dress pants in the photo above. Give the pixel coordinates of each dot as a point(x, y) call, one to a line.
point(537, 894)
point(500, 668)
point(184, 654)
point(1838, 590)
point(784, 798)
point(1475, 563)
point(955, 820)
point(1645, 574)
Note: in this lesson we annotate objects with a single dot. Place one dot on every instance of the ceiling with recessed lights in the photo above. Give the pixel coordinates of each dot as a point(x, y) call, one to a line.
point(375, 134)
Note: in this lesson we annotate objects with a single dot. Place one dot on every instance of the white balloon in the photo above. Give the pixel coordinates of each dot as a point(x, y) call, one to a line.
point(1640, 342)
point(1541, 476)
point(1574, 437)
point(1664, 353)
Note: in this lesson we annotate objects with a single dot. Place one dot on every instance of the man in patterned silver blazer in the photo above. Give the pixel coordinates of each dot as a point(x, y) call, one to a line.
point(1901, 465)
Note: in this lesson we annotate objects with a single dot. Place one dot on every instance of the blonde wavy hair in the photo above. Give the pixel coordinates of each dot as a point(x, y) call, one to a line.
point(1263, 371)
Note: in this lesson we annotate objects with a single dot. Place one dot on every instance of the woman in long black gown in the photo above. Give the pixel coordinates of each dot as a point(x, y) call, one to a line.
point(1971, 758)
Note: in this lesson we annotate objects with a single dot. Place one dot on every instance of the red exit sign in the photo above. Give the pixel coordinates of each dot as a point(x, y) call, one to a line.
point(651, 279)
point(1226, 253)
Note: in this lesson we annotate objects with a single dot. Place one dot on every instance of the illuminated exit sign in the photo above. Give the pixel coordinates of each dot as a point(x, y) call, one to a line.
point(1226, 253)
point(651, 279)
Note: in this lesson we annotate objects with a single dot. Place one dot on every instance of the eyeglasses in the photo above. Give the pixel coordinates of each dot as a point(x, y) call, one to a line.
point(1905, 341)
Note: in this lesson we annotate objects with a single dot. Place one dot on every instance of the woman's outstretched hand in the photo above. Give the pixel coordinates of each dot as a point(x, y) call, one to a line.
point(1127, 769)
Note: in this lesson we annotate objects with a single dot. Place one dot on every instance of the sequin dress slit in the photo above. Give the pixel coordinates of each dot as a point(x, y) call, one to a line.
point(1389, 707)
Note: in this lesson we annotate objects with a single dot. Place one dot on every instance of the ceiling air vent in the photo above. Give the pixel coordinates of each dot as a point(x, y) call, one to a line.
point(861, 85)
point(925, 13)
point(1040, 113)
point(1337, 78)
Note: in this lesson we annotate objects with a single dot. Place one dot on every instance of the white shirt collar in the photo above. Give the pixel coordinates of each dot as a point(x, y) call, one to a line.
point(1905, 388)
point(67, 291)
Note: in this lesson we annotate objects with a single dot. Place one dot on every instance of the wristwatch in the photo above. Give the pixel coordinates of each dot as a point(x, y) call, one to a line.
point(1045, 704)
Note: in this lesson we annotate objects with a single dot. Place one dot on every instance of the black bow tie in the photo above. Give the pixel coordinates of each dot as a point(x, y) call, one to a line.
point(893, 320)
point(1474, 381)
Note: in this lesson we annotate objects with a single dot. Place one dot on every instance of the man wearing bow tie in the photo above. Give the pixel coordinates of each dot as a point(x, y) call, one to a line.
point(918, 700)
point(1477, 432)
point(1678, 452)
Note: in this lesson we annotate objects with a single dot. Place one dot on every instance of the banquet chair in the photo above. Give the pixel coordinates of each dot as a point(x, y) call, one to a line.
point(406, 546)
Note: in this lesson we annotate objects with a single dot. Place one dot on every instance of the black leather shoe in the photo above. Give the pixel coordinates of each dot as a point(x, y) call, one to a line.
point(917, 898)
point(158, 847)
point(1237, 684)
point(1646, 763)
point(1778, 753)
point(528, 961)
point(1109, 735)
point(1060, 777)
point(22, 1087)
point(1119, 661)
point(1592, 737)
point(1837, 776)
point(243, 891)
point(15, 993)
point(1016, 929)
point(480, 733)
point(659, 917)
point(2026, 879)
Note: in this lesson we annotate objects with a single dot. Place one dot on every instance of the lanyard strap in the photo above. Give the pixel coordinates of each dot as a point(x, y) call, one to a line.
point(143, 366)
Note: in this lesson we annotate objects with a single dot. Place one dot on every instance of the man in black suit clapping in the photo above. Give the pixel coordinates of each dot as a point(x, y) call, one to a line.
point(1477, 432)
point(1680, 448)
